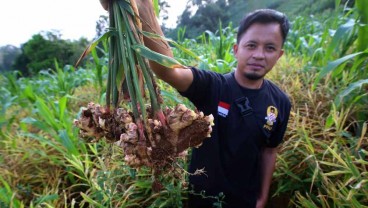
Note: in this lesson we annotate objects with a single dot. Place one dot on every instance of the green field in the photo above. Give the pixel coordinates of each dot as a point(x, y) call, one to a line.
point(322, 162)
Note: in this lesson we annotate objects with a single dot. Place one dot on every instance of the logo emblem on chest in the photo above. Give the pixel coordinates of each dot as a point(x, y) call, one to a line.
point(271, 117)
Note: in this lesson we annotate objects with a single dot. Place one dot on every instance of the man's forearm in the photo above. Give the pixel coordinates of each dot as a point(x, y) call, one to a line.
point(180, 78)
point(268, 166)
point(150, 24)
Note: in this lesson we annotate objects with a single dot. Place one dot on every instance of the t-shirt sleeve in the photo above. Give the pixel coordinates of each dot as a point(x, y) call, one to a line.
point(278, 135)
point(204, 88)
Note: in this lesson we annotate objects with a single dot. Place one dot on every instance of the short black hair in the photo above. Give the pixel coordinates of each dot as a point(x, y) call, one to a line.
point(264, 16)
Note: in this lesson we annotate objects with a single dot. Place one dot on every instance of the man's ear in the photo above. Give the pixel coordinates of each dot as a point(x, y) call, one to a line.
point(235, 48)
point(281, 53)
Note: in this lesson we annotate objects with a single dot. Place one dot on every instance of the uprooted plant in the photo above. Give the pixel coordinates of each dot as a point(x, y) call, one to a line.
point(149, 135)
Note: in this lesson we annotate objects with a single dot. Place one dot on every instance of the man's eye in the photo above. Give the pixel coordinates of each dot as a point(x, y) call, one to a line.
point(270, 48)
point(251, 46)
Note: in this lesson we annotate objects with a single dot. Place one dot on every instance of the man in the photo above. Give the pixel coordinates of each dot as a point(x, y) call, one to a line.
point(251, 113)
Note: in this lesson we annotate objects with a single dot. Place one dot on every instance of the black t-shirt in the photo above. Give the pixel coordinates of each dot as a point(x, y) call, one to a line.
point(231, 157)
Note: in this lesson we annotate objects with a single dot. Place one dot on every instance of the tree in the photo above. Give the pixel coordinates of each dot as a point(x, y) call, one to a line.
point(101, 25)
point(42, 49)
point(163, 9)
point(207, 17)
point(8, 55)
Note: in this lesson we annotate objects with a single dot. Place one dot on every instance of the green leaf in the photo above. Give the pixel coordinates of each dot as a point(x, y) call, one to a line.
point(41, 125)
point(329, 121)
point(125, 5)
point(353, 86)
point(28, 92)
point(45, 141)
point(337, 172)
point(93, 45)
point(62, 107)
point(362, 6)
point(157, 57)
point(90, 200)
point(46, 114)
point(185, 50)
point(333, 65)
point(68, 143)
point(46, 198)
point(340, 35)
point(156, 7)
point(171, 96)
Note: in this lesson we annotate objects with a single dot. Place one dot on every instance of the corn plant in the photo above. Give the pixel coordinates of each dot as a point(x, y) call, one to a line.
point(361, 6)
point(349, 72)
point(6, 101)
point(217, 49)
point(64, 81)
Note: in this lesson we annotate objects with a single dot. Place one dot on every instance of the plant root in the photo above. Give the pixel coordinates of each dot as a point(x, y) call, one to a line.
point(157, 143)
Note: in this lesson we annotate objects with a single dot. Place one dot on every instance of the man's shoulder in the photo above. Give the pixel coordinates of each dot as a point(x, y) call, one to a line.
point(206, 78)
point(206, 72)
point(206, 88)
point(275, 90)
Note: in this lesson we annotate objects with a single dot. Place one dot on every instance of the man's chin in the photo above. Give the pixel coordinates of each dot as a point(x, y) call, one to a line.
point(252, 76)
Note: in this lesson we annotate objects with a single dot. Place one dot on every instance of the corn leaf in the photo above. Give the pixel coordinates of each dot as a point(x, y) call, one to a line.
point(362, 6)
point(28, 92)
point(62, 106)
point(352, 87)
point(333, 65)
point(340, 36)
point(47, 114)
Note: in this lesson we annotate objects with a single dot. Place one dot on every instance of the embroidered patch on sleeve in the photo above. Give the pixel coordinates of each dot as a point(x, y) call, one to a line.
point(271, 117)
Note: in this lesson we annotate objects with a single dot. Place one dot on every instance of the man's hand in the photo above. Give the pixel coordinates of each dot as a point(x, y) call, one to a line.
point(105, 4)
point(261, 203)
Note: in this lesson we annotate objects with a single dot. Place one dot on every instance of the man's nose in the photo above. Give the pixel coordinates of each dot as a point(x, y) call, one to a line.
point(259, 53)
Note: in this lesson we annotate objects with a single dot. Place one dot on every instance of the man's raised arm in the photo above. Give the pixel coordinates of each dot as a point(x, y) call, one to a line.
point(179, 78)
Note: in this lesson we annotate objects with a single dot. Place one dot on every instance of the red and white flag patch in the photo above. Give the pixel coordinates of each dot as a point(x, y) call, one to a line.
point(223, 109)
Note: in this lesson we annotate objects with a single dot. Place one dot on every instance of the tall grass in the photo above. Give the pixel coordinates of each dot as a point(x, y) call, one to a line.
point(322, 163)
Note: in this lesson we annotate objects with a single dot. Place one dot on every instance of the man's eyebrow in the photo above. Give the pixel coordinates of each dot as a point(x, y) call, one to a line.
point(250, 41)
point(271, 44)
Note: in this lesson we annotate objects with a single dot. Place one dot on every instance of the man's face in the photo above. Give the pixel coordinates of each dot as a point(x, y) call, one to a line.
point(258, 50)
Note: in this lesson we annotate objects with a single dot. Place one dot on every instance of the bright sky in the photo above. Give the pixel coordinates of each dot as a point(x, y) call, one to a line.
point(21, 19)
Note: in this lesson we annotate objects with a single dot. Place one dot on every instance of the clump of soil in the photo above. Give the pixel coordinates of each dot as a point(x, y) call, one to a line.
point(155, 144)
